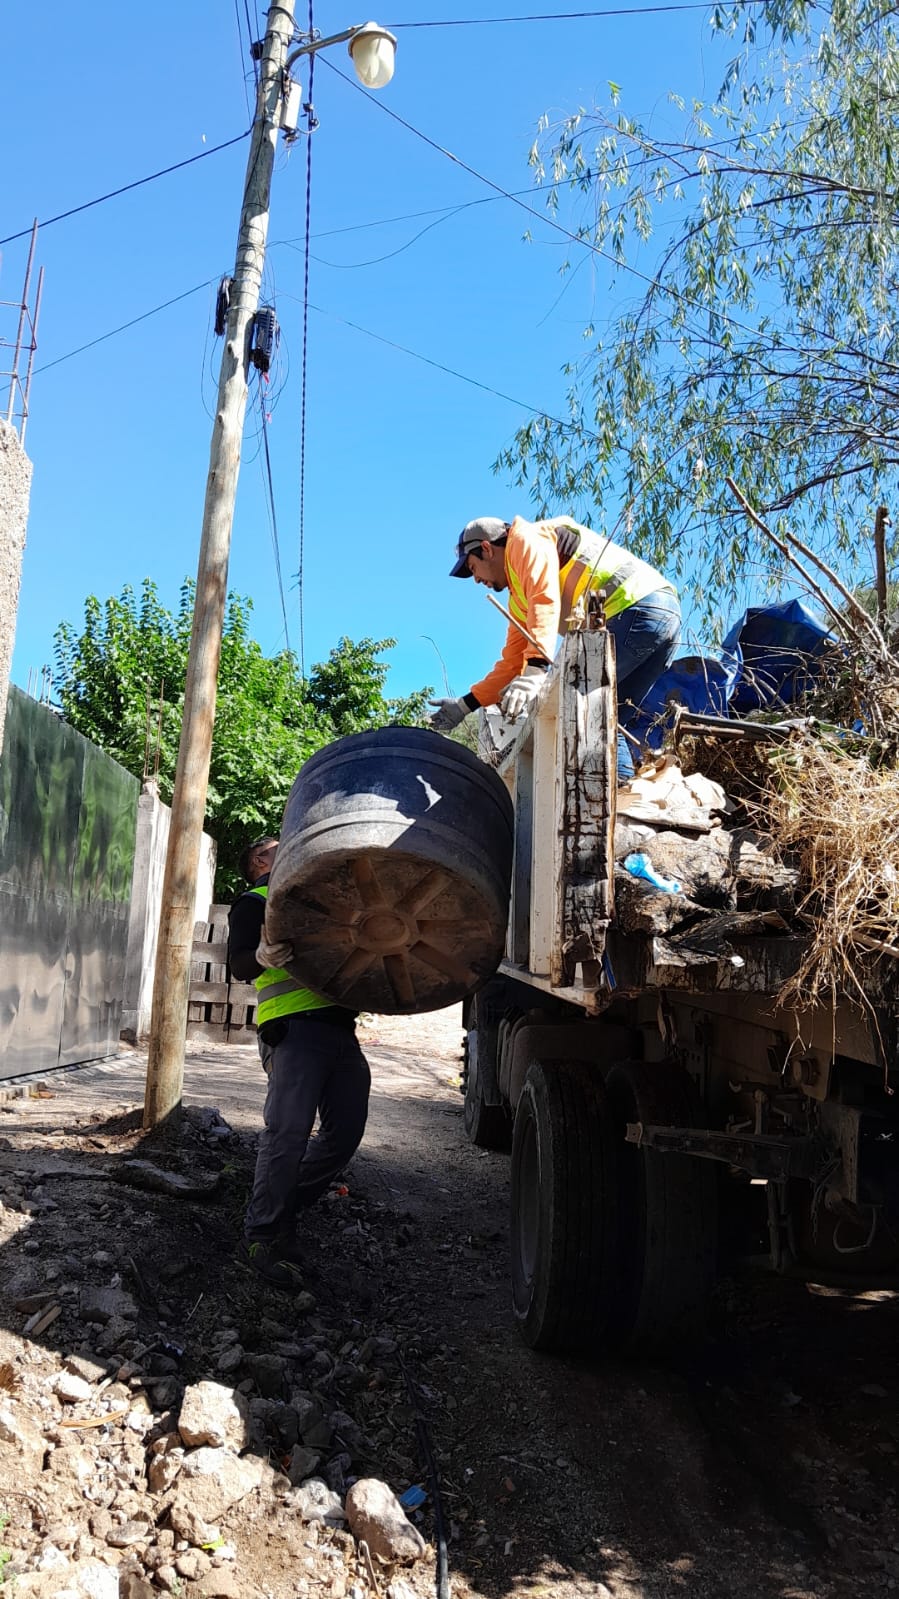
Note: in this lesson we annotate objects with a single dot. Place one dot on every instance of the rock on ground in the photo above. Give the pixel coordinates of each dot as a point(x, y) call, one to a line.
point(213, 1414)
point(376, 1515)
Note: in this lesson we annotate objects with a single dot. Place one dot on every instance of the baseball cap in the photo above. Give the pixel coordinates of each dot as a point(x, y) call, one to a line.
point(472, 537)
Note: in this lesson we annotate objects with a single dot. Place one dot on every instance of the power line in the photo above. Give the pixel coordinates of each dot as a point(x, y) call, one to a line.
point(273, 514)
point(564, 16)
point(243, 77)
point(558, 227)
point(440, 367)
point(101, 339)
point(127, 187)
point(310, 129)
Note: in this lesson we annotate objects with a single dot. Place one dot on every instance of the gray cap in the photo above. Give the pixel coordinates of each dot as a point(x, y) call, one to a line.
point(472, 537)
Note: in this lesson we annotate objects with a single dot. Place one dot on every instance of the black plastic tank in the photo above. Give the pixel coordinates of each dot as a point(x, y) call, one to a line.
point(392, 877)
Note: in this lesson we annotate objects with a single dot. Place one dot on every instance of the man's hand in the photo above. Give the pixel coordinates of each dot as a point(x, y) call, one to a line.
point(273, 955)
point(449, 714)
point(521, 693)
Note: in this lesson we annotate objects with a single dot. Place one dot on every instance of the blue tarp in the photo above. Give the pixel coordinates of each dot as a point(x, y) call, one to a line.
point(770, 658)
point(781, 648)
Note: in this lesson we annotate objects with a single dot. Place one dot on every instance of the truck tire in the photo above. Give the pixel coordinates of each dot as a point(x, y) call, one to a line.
point(486, 1126)
point(668, 1214)
point(563, 1209)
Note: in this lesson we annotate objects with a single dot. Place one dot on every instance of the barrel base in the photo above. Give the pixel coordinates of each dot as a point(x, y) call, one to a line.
point(384, 930)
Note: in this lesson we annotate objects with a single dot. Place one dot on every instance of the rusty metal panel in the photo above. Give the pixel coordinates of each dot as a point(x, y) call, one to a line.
point(63, 907)
point(99, 905)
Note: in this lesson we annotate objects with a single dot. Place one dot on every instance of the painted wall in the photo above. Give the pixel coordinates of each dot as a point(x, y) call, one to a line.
point(153, 820)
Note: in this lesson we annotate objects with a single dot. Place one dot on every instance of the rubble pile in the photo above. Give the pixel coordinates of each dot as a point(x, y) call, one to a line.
point(169, 1424)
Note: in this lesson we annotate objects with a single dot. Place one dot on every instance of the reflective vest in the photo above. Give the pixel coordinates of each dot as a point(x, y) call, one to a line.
point(597, 563)
point(279, 993)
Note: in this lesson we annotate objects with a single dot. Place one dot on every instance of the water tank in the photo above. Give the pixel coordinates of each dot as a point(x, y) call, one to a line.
point(392, 877)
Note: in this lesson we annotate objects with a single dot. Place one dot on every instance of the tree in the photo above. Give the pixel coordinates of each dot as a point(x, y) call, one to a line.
point(762, 245)
point(120, 682)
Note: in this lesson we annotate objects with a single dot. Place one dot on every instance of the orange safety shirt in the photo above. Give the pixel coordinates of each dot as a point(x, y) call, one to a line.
point(542, 593)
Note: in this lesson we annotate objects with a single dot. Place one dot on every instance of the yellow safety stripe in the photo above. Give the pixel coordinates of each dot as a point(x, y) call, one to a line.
point(279, 993)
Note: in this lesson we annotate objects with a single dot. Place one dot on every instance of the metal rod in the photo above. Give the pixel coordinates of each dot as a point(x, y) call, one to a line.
point(34, 322)
point(23, 311)
point(320, 44)
point(510, 618)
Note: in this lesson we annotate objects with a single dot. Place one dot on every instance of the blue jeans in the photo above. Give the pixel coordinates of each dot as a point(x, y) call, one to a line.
point(646, 637)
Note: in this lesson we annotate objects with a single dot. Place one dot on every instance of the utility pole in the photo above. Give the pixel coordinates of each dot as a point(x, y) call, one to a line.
point(171, 985)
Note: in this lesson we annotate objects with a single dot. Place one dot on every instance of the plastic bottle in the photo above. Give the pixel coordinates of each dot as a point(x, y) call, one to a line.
point(639, 865)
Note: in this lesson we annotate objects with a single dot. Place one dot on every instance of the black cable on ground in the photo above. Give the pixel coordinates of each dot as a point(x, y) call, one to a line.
point(429, 1462)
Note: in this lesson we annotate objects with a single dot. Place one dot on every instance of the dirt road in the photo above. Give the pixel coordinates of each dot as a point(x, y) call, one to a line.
point(766, 1466)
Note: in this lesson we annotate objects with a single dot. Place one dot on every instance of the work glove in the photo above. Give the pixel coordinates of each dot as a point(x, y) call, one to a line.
point(273, 955)
point(521, 693)
point(449, 714)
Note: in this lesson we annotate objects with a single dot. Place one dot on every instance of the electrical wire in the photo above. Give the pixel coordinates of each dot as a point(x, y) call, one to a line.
point(541, 216)
point(102, 337)
point(310, 128)
point(440, 367)
point(243, 77)
point(565, 16)
point(251, 39)
point(273, 514)
point(127, 187)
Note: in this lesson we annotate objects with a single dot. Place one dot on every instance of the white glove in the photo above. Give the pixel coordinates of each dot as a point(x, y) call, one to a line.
point(521, 693)
point(273, 955)
point(449, 714)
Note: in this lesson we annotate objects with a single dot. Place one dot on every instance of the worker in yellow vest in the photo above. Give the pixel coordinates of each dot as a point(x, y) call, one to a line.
point(548, 567)
point(314, 1066)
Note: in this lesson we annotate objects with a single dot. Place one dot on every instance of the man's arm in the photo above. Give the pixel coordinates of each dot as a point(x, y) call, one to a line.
point(510, 663)
point(245, 920)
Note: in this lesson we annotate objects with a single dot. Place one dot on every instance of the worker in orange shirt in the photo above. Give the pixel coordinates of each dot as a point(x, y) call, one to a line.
point(548, 567)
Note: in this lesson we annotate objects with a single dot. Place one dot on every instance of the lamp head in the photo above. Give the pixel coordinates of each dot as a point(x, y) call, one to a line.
point(373, 53)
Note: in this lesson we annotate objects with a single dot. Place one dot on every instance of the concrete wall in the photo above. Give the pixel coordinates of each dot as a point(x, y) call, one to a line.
point(15, 489)
point(153, 820)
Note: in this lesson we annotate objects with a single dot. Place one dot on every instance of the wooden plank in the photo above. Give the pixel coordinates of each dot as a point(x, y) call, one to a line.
point(217, 951)
point(209, 993)
point(244, 993)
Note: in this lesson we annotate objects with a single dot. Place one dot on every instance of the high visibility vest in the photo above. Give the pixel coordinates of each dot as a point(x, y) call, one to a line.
point(597, 563)
point(279, 993)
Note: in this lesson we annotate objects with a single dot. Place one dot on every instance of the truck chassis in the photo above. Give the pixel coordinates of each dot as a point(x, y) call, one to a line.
point(651, 1088)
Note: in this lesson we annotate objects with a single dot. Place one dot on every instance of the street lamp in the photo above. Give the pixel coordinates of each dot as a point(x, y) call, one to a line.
point(372, 50)
point(373, 53)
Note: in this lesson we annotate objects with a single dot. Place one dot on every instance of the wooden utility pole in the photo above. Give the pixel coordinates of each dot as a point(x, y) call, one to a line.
point(171, 986)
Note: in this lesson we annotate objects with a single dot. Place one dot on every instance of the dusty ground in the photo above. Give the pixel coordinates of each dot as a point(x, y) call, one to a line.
point(766, 1466)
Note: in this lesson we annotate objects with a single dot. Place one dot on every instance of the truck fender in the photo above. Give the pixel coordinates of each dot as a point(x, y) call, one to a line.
point(600, 1044)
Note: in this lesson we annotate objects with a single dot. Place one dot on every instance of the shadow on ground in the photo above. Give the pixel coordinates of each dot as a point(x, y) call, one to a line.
point(762, 1465)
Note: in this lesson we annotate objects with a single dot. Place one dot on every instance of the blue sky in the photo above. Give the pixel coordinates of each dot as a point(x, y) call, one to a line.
point(398, 453)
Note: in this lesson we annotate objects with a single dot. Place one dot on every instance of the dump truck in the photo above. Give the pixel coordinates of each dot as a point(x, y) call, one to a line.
point(656, 1094)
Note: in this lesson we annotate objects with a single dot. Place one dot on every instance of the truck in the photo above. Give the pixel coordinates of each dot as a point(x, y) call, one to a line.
point(657, 1096)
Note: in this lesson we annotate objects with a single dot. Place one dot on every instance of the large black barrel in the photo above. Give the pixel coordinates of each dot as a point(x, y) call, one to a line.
point(392, 876)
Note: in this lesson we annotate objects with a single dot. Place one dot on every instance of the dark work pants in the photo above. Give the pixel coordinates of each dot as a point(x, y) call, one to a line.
point(316, 1067)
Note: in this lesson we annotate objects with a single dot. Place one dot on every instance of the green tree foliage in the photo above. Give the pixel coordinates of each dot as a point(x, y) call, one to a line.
point(120, 682)
point(755, 257)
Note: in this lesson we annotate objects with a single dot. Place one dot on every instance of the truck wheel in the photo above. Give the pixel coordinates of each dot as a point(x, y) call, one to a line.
point(487, 1126)
point(563, 1208)
point(668, 1213)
